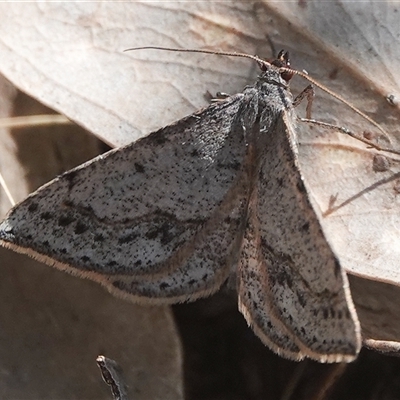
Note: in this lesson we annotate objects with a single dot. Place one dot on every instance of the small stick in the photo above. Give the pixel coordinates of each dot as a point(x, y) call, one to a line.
point(34, 120)
point(3, 184)
point(111, 374)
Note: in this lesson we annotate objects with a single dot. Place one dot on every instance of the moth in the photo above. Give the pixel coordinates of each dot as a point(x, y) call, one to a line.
point(170, 217)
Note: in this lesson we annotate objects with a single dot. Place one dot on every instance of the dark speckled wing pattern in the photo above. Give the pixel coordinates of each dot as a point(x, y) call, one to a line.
point(167, 218)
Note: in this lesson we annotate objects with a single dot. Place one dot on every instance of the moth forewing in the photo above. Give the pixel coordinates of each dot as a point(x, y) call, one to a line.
point(147, 233)
point(308, 286)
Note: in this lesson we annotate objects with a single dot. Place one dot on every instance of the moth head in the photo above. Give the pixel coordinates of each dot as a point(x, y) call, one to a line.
point(281, 61)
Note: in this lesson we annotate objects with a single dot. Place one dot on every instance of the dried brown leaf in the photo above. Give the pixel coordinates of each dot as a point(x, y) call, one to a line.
point(70, 56)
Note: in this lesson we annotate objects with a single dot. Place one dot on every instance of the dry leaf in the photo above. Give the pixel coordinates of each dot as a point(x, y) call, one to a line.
point(70, 57)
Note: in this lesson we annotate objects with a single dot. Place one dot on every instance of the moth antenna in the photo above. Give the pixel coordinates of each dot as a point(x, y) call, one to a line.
point(286, 70)
point(218, 53)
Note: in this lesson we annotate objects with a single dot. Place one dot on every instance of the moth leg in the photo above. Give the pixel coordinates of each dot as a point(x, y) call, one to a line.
point(308, 93)
point(220, 96)
point(348, 132)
